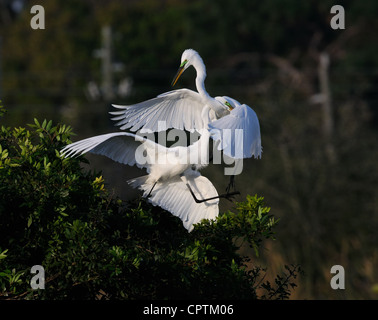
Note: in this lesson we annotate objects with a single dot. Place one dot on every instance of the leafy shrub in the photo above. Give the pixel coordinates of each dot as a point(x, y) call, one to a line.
point(94, 246)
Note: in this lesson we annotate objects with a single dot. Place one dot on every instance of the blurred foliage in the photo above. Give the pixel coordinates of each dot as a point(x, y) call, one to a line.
point(51, 67)
point(94, 246)
point(263, 53)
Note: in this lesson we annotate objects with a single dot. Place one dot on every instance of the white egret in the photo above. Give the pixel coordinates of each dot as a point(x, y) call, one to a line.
point(238, 132)
point(182, 109)
point(173, 179)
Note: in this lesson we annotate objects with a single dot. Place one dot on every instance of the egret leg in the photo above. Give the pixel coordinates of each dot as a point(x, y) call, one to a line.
point(149, 194)
point(231, 184)
point(227, 195)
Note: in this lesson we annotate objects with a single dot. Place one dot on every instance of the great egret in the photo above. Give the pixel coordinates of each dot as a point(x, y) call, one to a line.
point(182, 109)
point(238, 132)
point(238, 135)
point(173, 179)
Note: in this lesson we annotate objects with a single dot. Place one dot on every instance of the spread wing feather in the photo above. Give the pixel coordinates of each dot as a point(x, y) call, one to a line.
point(180, 109)
point(174, 196)
point(238, 133)
point(119, 146)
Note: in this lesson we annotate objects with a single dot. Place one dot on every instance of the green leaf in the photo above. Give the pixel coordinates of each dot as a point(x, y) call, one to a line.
point(49, 124)
point(3, 254)
point(30, 220)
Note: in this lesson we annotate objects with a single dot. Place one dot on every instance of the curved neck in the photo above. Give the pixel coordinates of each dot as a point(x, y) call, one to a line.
point(201, 76)
point(200, 84)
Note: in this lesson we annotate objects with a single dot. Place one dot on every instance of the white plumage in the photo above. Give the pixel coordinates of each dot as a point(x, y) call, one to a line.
point(173, 181)
point(182, 109)
point(169, 170)
point(238, 133)
point(173, 195)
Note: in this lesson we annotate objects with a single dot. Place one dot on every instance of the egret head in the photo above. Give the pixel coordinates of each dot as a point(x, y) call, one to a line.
point(228, 102)
point(231, 103)
point(189, 58)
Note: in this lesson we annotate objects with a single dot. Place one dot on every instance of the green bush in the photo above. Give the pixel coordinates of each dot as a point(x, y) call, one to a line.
point(93, 246)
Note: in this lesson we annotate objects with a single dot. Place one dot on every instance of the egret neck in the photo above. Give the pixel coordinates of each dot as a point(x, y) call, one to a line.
point(198, 64)
point(215, 105)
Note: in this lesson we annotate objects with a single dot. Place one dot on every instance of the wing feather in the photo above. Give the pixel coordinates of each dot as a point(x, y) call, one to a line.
point(181, 109)
point(238, 133)
point(119, 146)
point(174, 196)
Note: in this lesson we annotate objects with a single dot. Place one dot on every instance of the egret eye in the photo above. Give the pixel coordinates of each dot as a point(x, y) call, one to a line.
point(230, 107)
point(183, 63)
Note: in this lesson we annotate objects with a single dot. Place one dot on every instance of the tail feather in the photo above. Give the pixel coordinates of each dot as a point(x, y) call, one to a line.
point(141, 183)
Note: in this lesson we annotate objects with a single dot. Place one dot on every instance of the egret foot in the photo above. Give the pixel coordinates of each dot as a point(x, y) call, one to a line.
point(228, 195)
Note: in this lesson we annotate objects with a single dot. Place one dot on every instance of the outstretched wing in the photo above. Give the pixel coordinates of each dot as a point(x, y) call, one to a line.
point(174, 196)
point(180, 109)
point(123, 147)
point(238, 133)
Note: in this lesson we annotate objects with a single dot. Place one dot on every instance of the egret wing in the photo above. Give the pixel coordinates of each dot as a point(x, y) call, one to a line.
point(122, 147)
point(174, 196)
point(238, 133)
point(180, 109)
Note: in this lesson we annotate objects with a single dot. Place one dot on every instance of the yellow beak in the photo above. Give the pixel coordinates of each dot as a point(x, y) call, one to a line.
point(177, 76)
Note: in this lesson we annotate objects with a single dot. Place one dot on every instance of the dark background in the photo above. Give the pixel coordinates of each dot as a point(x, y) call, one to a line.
point(313, 88)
